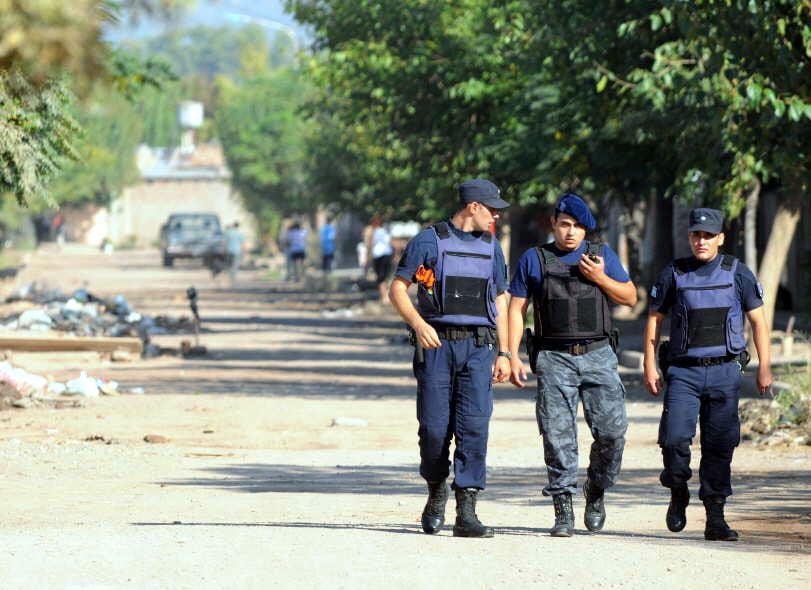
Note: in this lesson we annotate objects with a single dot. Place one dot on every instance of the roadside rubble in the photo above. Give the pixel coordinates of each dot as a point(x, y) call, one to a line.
point(22, 389)
point(784, 420)
point(84, 314)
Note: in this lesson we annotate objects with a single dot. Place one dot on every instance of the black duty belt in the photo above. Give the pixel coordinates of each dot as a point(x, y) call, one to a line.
point(448, 332)
point(704, 361)
point(574, 348)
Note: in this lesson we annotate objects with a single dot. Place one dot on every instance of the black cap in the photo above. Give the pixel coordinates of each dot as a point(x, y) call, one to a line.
point(481, 191)
point(708, 220)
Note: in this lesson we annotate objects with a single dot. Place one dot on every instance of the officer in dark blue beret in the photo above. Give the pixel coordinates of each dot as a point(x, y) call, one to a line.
point(570, 283)
point(459, 328)
point(707, 295)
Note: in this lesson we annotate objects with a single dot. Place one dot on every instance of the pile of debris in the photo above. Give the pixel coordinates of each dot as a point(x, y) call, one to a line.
point(784, 420)
point(84, 314)
point(21, 389)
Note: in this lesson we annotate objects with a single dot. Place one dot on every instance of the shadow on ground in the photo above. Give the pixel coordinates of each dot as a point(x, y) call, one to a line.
point(788, 509)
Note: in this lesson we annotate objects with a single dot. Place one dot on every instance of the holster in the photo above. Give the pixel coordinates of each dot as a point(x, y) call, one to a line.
point(663, 356)
point(485, 335)
point(614, 339)
point(532, 349)
point(419, 351)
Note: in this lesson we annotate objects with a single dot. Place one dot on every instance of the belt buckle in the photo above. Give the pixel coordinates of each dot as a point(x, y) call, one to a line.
point(578, 349)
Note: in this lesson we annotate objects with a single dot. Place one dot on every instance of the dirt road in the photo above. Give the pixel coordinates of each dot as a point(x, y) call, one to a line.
point(292, 463)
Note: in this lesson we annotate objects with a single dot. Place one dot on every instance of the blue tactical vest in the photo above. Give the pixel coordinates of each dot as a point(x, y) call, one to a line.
point(464, 293)
point(569, 307)
point(707, 318)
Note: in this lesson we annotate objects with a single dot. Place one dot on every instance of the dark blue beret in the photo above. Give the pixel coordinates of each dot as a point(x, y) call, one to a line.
point(573, 205)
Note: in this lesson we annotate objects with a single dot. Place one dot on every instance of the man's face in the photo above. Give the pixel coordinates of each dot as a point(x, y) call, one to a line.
point(569, 234)
point(483, 216)
point(705, 245)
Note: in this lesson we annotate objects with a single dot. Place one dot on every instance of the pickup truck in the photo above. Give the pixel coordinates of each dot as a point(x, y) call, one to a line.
point(192, 235)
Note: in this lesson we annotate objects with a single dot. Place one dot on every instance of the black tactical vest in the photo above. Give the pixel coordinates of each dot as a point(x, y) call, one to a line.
point(569, 307)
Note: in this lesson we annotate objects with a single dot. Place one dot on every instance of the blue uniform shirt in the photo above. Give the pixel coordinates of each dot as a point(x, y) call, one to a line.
point(749, 291)
point(422, 250)
point(528, 279)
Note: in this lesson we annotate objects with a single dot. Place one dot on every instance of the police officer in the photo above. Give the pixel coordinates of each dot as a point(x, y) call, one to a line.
point(570, 282)
point(707, 295)
point(459, 327)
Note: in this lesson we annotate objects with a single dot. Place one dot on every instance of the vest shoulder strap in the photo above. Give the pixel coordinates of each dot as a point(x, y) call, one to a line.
point(681, 265)
point(487, 237)
point(545, 255)
point(443, 230)
point(727, 262)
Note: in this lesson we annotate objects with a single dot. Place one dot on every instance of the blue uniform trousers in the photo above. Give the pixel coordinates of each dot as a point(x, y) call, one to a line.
point(708, 395)
point(455, 399)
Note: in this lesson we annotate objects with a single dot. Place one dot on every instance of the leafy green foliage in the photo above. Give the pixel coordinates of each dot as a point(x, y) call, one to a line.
point(263, 136)
point(37, 131)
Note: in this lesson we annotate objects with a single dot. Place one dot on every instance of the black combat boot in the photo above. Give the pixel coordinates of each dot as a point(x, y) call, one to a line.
point(564, 516)
point(677, 510)
point(594, 517)
point(467, 523)
point(717, 528)
point(433, 515)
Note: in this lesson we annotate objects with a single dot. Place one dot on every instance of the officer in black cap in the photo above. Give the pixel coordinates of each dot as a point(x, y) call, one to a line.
point(459, 328)
point(570, 283)
point(707, 295)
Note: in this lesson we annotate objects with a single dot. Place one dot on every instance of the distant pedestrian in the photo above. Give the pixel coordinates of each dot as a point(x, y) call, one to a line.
point(327, 239)
point(234, 241)
point(296, 250)
point(380, 251)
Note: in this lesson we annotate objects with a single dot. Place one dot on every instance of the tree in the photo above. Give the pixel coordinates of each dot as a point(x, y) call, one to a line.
point(737, 74)
point(50, 50)
point(263, 135)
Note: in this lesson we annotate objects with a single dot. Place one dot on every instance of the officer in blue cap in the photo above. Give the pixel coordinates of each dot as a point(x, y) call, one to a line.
point(459, 329)
point(707, 295)
point(571, 282)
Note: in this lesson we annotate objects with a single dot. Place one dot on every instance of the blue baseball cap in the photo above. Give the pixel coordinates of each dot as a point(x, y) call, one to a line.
point(571, 204)
point(708, 220)
point(481, 191)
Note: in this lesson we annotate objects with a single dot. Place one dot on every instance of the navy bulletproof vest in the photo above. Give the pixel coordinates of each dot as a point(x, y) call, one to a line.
point(707, 318)
point(569, 307)
point(464, 293)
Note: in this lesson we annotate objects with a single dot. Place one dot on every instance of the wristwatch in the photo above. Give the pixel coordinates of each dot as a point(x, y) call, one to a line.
point(505, 353)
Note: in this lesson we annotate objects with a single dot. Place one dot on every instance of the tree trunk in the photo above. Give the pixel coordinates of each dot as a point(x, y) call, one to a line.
point(774, 258)
point(750, 227)
point(505, 240)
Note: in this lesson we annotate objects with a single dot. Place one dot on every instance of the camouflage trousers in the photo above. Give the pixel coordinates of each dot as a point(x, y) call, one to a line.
point(563, 380)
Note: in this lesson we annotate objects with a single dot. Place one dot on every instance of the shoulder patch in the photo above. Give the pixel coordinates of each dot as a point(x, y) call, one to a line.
point(654, 291)
point(759, 289)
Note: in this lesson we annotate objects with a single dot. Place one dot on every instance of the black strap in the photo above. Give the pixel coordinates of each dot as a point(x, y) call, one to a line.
point(727, 261)
point(681, 265)
point(443, 230)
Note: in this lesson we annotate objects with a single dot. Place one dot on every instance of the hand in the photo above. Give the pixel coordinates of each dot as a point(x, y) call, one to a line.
point(518, 374)
point(501, 369)
point(653, 382)
point(427, 336)
point(593, 270)
point(764, 379)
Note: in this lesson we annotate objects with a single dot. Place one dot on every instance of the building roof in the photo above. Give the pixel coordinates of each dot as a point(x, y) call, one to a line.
point(200, 162)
